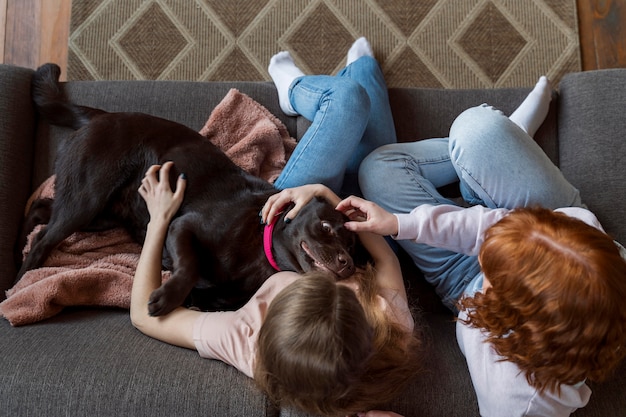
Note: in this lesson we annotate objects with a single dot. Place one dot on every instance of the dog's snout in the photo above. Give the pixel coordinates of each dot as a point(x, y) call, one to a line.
point(345, 265)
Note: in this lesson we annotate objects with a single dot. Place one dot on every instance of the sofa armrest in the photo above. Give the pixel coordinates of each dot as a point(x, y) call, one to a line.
point(17, 132)
point(592, 143)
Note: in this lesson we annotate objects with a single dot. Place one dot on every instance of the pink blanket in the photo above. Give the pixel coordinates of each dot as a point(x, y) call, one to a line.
point(250, 135)
point(96, 269)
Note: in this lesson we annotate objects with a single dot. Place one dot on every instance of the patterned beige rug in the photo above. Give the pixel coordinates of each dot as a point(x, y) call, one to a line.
point(421, 43)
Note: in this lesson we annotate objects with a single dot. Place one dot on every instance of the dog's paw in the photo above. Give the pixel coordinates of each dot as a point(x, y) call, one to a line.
point(163, 301)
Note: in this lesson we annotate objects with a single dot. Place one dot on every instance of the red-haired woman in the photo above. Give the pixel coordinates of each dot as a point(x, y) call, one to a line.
point(538, 285)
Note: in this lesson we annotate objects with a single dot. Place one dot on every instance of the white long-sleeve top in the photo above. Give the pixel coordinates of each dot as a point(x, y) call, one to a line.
point(461, 229)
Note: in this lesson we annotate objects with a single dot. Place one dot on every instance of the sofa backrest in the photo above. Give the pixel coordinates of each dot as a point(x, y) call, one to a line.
point(16, 153)
point(592, 143)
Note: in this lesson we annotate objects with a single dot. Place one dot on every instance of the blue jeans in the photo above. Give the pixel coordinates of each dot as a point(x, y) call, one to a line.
point(496, 164)
point(350, 117)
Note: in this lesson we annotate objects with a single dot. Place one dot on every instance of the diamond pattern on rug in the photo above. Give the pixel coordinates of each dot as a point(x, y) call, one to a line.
point(426, 43)
point(407, 65)
point(152, 42)
point(236, 67)
point(407, 14)
point(492, 42)
point(237, 15)
point(312, 37)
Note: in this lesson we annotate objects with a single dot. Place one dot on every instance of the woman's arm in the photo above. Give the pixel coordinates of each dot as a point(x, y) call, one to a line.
point(445, 226)
point(372, 222)
point(176, 327)
point(386, 263)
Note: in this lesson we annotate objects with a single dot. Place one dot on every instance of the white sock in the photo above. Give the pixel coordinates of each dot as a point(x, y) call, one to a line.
point(534, 109)
point(360, 47)
point(283, 71)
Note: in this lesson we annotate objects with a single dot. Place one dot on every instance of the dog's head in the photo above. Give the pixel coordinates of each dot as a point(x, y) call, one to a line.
point(317, 239)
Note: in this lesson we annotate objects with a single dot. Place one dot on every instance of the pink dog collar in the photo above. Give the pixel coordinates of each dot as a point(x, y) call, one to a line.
point(267, 243)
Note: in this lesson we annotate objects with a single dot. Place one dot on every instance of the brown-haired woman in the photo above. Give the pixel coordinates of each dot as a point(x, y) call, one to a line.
point(327, 347)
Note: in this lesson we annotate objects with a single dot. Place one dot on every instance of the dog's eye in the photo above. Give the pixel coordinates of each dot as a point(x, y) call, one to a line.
point(326, 227)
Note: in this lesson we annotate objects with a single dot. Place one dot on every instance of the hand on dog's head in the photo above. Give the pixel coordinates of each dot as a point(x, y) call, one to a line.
point(316, 239)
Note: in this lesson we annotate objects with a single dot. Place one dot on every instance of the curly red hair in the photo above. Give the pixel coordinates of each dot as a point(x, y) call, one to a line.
point(556, 302)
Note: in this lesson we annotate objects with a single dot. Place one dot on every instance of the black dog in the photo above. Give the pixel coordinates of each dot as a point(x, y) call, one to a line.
point(214, 245)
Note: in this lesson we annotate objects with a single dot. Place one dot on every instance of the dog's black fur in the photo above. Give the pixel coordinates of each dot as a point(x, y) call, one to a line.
point(214, 244)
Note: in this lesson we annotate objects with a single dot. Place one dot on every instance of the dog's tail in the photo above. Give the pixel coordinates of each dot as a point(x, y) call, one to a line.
point(52, 101)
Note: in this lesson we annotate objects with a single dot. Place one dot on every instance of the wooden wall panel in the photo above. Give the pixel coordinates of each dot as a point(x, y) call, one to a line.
point(602, 27)
point(55, 30)
point(3, 23)
point(36, 32)
point(22, 33)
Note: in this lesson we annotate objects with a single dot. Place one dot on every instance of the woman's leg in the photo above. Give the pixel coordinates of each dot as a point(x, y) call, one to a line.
point(500, 165)
point(534, 109)
point(380, 130)
point(402, 176)
point(338, 108)
point(334, 146)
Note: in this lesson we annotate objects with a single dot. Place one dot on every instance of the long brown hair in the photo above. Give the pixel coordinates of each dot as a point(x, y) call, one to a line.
point(325, 350)
point(556, 302)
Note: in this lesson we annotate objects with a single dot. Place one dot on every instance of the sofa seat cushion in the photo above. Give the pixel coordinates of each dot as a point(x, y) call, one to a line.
point(93, 362)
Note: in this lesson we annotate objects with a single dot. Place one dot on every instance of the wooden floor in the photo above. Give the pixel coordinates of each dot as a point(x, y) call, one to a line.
point(33, 32)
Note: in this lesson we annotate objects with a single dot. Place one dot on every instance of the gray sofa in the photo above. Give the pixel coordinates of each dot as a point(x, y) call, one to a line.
point(92, 362)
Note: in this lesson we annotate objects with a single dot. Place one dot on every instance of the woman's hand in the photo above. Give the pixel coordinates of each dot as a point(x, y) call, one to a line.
point(367, 216)
point(156, 191)
point(177, 326)
point(300, 196)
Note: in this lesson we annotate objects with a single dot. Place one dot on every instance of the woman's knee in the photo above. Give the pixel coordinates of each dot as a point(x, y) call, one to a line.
point(477, 129)
point(482, 120)
point(376, 168)
point(353, 98)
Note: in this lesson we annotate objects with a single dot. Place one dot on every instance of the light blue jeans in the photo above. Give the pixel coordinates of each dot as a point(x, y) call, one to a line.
point(350, 117)
point(497, 165)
